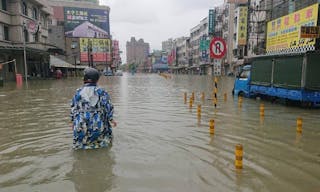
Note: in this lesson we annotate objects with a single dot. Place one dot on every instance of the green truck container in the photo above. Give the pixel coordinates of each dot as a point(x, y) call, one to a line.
point(295, 71)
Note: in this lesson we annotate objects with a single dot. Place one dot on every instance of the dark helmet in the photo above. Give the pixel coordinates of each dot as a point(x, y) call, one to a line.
point(91, 75)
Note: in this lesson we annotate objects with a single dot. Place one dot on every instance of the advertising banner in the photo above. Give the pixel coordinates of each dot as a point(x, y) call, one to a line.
point(242, 25)
point(160, 63)
point(284, 33)
point(98, 48)
point(84, 22)
point(238, 1)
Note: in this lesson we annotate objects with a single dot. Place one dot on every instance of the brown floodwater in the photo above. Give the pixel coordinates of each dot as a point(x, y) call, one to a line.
point(159, 144)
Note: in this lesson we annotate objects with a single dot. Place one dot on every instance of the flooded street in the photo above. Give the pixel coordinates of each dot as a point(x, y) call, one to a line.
point(159, 143)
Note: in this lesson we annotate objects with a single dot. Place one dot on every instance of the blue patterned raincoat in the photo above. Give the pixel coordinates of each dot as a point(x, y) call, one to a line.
point(91, 113)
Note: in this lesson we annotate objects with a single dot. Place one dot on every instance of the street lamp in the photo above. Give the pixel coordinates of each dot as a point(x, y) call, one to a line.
point(74, 52)
point(90, 56)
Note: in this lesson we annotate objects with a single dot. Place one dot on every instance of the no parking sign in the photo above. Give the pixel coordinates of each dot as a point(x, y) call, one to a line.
point(218, 48)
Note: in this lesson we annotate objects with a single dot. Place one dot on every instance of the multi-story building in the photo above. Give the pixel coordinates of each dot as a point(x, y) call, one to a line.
point(257, 28)
point(116, 59)
point(227, 29)
point(199, 58)
point(82, 31)
point(168, 45)
point(182, 55)
point(137, 52)
point(24, 38)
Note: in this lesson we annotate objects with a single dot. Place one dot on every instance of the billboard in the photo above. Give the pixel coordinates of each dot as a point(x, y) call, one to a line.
point(242, 25)
point(284, 33)
point(85, 22)
point(237, 1)
point(98, 48)
point(160, 63)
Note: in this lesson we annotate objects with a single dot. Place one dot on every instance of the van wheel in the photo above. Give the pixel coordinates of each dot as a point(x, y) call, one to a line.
point(241, 94)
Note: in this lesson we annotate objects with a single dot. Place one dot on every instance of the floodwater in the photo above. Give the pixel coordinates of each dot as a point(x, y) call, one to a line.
point(159, 144)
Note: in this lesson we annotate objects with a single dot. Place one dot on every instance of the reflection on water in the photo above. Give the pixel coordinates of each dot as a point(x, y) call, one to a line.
point(92, 170)
point(160, 144)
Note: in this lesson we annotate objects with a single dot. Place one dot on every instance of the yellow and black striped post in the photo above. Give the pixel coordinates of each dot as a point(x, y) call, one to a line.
point(240, 99)
point(261, 109)
point(211, 126)
point(239, 155)
point(190, 102)
point(185, 97)
point(192, 96)
point(199, 111)
point(299, 125)
point(215, 91)
point(202, 96)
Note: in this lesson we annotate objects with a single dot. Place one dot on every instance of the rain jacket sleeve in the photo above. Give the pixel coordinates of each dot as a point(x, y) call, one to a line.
point(108, 106)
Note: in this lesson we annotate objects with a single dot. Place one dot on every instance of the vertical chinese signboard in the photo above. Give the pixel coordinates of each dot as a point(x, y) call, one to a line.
point(283, 34)
point(99, 48)
point(242, 25)
point(211, 22)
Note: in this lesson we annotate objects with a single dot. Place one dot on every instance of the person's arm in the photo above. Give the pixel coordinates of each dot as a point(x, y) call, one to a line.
point(113, 122)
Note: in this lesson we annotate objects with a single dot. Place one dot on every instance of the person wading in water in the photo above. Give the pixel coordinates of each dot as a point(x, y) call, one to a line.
point(91, 114)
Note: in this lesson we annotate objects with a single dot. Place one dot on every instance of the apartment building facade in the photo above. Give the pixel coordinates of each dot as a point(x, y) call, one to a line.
point(24, 38)
point(199, 59)
point(137, 52)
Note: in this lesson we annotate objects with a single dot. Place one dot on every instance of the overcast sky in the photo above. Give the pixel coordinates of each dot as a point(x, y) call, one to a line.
point(155, 20)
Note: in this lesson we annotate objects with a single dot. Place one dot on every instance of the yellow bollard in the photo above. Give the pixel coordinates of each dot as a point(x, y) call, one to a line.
point(240, 101)
point(215, 101)
point(211, 126)
point(199, 110)
point(185, 98)
point(202, 96)
point(261, 109)
point(192, 96)
point(225, 97)
point(215, 90)
point(190, 102)
point(299, 125)
point(215, 79)
point(239, 155)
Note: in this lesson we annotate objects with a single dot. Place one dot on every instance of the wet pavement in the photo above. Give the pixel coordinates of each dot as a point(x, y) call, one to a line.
point(159, 144)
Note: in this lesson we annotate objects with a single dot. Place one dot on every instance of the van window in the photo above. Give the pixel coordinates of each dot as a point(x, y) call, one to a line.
point(244, 74)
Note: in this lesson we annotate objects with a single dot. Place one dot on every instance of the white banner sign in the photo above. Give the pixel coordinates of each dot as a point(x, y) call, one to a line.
point(217, 67)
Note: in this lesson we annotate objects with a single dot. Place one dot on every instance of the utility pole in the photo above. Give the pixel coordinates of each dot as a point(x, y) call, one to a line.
point(24, 51)
point(75, 65)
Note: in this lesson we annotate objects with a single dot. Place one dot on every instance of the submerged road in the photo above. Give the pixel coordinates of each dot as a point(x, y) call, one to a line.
point(160, 144)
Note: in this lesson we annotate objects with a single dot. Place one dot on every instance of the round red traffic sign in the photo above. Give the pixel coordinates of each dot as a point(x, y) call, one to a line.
point(218, 48)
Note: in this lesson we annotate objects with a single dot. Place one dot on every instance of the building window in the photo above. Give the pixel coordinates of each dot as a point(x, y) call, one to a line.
point(35, 13)
point(24, 8)
point(36, 37)
point(3, 5)
point(6, 33)
point(26, 35)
